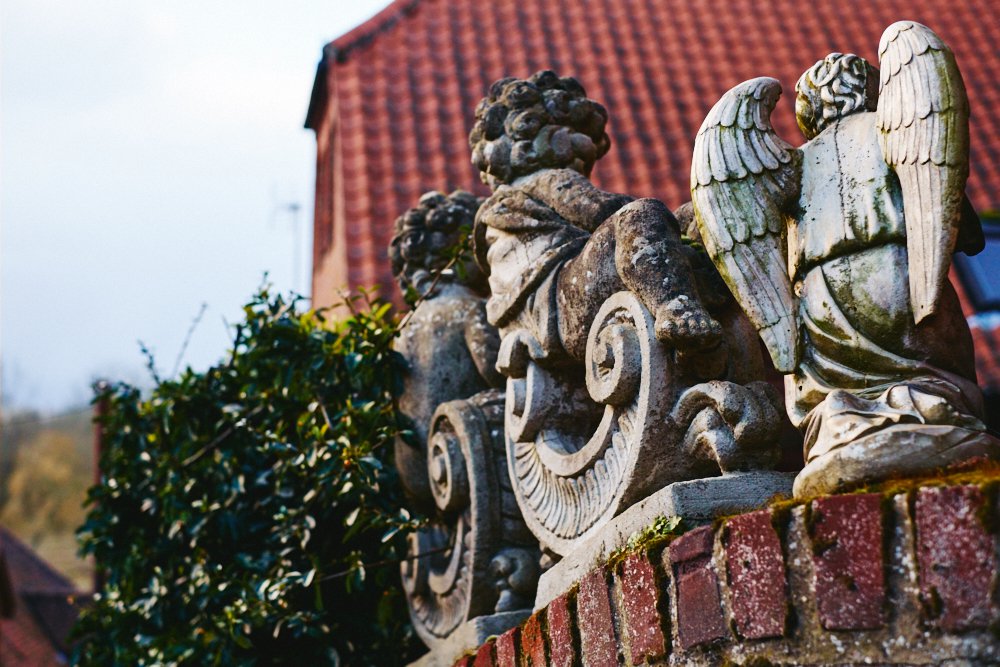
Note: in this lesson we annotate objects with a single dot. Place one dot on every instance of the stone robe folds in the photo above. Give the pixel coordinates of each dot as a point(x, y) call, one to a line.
point(523, 236)
point(866, 367)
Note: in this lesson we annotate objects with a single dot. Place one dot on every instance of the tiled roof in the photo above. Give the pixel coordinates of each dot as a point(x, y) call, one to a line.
point(402, 87)
point(393, 100)
point(39, 614)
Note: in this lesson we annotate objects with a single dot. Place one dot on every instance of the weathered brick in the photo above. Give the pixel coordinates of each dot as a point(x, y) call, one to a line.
point(533, 641)
point(598, 644)
point(508, 648)
point(756, 569)
point(637, 582)
point(692, 544)
point(486, 656)
point(846, 533)
point(560, 622)
point(955, 557)
point(699, 604)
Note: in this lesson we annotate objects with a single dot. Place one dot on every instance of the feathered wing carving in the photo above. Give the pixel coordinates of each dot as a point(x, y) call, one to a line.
point(743, 175)
point(923, 123)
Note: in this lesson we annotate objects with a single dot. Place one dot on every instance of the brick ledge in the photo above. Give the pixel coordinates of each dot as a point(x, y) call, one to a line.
point(901, 577)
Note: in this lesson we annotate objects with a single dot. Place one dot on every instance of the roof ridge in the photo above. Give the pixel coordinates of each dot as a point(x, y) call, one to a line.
point(371, 28)
point(59, 582)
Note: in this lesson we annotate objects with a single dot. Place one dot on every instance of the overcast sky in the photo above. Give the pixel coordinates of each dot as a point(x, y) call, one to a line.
point(150, 152)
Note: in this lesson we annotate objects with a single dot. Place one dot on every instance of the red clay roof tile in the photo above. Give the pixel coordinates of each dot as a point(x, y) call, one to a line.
point(395, 96)
point(44, 609)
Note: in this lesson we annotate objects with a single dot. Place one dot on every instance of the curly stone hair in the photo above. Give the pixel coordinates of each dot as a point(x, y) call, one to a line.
point(545, 121)
point(838, 85)
point(426, 239)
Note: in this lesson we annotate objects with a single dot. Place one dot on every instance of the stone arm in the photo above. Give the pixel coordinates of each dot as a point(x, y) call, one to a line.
point(571, 195)
point(483, 341)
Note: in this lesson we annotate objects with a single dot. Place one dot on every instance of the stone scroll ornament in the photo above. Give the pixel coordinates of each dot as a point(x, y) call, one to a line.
point(628, 364)
point(475, 557)
point(839, 252)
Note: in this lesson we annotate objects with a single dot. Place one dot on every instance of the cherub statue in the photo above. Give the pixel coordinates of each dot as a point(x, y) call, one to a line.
point(556, 247)
point(449, 347)
point(839, 251)
point(629, 366)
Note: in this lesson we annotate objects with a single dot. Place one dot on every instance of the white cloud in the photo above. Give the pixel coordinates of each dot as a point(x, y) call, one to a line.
point(142, 145)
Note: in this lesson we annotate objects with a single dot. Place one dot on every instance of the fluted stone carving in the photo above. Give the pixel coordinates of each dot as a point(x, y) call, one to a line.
point(839, 251)
point(628, 364)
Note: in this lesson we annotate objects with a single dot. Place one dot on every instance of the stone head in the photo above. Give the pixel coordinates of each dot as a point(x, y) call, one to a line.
point(835, 87)
point(543, 122)
point(426, 239)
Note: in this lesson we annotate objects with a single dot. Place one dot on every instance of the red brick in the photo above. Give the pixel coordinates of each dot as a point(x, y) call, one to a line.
point(955, 557)
point(508, 648)
point(533, 641)
point(486, 656)
point(756, 569)
point(691, 545)
point(640, 601)
point(560, 622)
point(846, 533)
point(700, 617)
point(598, 643)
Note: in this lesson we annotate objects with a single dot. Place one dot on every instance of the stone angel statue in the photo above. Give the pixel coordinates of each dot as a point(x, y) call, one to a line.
point(839, 250)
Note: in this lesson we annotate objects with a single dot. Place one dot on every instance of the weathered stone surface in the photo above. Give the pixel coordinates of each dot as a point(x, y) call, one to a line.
point(448, 345)
point(455, 469)
point(598, 641)
point(695, 501)
point(756, 573)
point(508, 648)
point(700, 618)
point(561, 624)
point(839, 251)
point(847, 537)
point(956, 557)
point(629, 365)
point(637, 582)
point(493, 568)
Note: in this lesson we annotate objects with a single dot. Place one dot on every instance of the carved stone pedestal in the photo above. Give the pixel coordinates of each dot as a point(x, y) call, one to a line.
point(899, 451)
point(696, 501)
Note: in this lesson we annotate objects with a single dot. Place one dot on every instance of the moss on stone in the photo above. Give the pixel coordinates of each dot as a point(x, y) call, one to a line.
point(652, 538)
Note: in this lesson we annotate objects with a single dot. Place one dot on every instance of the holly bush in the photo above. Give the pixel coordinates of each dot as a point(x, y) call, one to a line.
point(250, 514)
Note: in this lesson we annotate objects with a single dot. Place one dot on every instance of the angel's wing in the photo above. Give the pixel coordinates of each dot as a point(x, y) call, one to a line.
point(923, 122)
point(742, 177)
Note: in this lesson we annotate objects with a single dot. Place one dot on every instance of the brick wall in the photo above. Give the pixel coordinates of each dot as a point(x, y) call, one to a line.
point(894, 578)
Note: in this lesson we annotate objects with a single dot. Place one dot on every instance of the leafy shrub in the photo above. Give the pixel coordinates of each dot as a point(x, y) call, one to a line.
point(239, 507)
